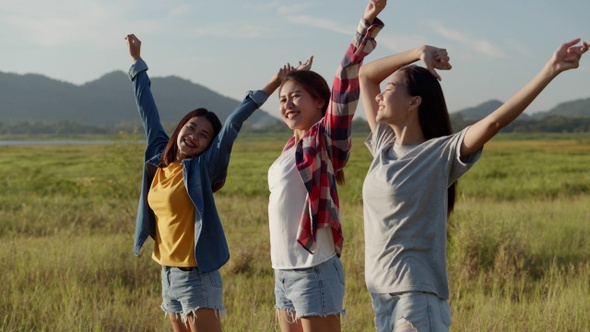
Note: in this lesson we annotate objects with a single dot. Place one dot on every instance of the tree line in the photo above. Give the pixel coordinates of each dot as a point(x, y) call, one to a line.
point(549, 124)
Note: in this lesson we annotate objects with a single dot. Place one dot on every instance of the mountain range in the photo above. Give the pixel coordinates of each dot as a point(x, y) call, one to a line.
point(109, 100)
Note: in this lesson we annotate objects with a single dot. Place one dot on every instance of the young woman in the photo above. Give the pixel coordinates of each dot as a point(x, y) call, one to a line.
point(304, 221)
point(408, 191)
point(176, 206)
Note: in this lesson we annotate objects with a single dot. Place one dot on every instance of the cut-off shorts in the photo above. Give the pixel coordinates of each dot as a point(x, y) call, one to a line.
point(314, 291)
point(184, 291)
point(411, 311)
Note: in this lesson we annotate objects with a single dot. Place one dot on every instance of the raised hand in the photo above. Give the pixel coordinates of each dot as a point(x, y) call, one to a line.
point(374, 7)
point(567, 56)
point(306, 65)
point(134, 45)
point(278, 78)
point(435, 58)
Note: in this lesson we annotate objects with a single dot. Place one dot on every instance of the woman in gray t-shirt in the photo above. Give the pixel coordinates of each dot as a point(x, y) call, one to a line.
point(409, 189)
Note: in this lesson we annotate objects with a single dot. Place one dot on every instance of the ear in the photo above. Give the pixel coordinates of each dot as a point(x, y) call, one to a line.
point(415, 102)
point(319, 103)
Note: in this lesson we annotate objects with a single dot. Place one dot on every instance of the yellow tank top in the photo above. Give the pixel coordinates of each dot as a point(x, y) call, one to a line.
point(175, 218)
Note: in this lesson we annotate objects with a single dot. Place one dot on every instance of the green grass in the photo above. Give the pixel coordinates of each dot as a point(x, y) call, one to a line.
point(519, 254)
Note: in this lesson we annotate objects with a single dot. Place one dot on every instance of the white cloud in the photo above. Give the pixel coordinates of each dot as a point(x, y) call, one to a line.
point(294, 9)
point(401, 43)
point(476, 44)
point(321, 23)
point(231, 31)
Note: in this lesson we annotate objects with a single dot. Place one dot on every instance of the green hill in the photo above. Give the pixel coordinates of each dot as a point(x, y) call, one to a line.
point(107, 100)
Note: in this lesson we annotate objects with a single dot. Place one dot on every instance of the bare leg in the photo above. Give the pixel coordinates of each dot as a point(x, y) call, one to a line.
point(177, 324)
point(287, 321)
point(317, 323)
point(207, 320)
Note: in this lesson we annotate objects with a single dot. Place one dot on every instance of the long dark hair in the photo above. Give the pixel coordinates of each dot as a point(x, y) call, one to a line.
point(318, 88)
point(433, 113)
point(171, 150)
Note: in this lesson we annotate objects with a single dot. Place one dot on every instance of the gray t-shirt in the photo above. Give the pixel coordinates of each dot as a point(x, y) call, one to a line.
point(405, 211)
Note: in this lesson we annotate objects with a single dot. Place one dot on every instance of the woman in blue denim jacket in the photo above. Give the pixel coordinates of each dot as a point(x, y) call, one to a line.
point(176, 206)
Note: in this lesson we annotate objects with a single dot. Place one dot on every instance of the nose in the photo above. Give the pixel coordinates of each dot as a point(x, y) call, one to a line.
point(379, 97)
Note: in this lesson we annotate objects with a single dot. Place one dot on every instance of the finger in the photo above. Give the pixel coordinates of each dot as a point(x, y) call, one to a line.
point(444, 58)
point(571, 43)
point(434, 73)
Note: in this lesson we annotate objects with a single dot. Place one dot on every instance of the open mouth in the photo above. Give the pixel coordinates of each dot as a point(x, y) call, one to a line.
point(291, 114)
point(189, 143)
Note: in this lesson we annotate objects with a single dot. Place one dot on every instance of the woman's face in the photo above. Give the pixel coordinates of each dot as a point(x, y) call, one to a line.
point(298, 108)
point(194, 137)
point(394, 102)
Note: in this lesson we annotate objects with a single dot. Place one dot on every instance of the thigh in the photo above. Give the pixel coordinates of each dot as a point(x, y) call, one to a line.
point(204, 319)
point(321, 323)
point(288, 322)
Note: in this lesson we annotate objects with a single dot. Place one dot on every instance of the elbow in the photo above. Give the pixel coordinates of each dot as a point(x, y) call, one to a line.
point(494, 127)
point(362, 73)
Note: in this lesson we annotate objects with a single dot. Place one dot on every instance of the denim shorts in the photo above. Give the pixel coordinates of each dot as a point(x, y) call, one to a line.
point(412, 311)
point(314, 291)
point(186, 290)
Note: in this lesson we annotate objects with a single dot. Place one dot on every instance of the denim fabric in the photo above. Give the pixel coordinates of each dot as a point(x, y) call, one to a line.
point(211, 250)
point(184, 292)
point(314, 291)
point(412, 311)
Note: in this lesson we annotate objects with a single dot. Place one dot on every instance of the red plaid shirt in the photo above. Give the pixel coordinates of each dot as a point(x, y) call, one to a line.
point(325, 148)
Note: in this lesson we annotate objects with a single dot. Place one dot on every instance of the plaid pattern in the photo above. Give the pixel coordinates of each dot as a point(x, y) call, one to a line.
point(325, 148)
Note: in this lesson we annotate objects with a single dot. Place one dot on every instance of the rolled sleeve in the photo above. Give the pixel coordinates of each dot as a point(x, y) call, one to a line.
point(138, 67)
point(258, 96)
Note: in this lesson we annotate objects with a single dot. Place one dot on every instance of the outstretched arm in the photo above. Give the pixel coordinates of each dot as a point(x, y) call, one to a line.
point(566, 57)
point(146, 106)
point(374, 73)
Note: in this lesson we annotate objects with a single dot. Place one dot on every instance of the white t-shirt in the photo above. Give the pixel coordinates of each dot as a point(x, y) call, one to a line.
point(285, 207)
point(405, 211)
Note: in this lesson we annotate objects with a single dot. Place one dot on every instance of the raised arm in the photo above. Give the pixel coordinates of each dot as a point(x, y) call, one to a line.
point(566, 57)
point(280, 76)
point(156, 137)
point(372, 74)
point(219, 153)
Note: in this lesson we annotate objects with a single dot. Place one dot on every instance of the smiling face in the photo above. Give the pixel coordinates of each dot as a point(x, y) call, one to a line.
point(299, 109)
point(395, 101)
point(194, 137)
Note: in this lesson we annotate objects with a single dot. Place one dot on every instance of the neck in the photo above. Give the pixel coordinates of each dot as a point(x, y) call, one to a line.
point(408, 134)
point(298, 134)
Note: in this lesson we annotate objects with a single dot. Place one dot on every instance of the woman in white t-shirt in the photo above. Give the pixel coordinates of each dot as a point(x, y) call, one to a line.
point(409, 189)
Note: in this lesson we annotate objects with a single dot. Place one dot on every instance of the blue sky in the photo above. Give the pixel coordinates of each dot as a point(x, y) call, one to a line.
point(233, 46)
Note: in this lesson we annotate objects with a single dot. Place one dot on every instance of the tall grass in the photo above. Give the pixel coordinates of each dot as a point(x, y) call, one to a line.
point(519, 254)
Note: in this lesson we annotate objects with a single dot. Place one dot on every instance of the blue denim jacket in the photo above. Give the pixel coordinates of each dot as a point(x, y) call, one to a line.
point(211, 250)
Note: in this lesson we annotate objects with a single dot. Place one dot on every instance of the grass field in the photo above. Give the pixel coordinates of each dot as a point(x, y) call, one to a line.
point(519, 240)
